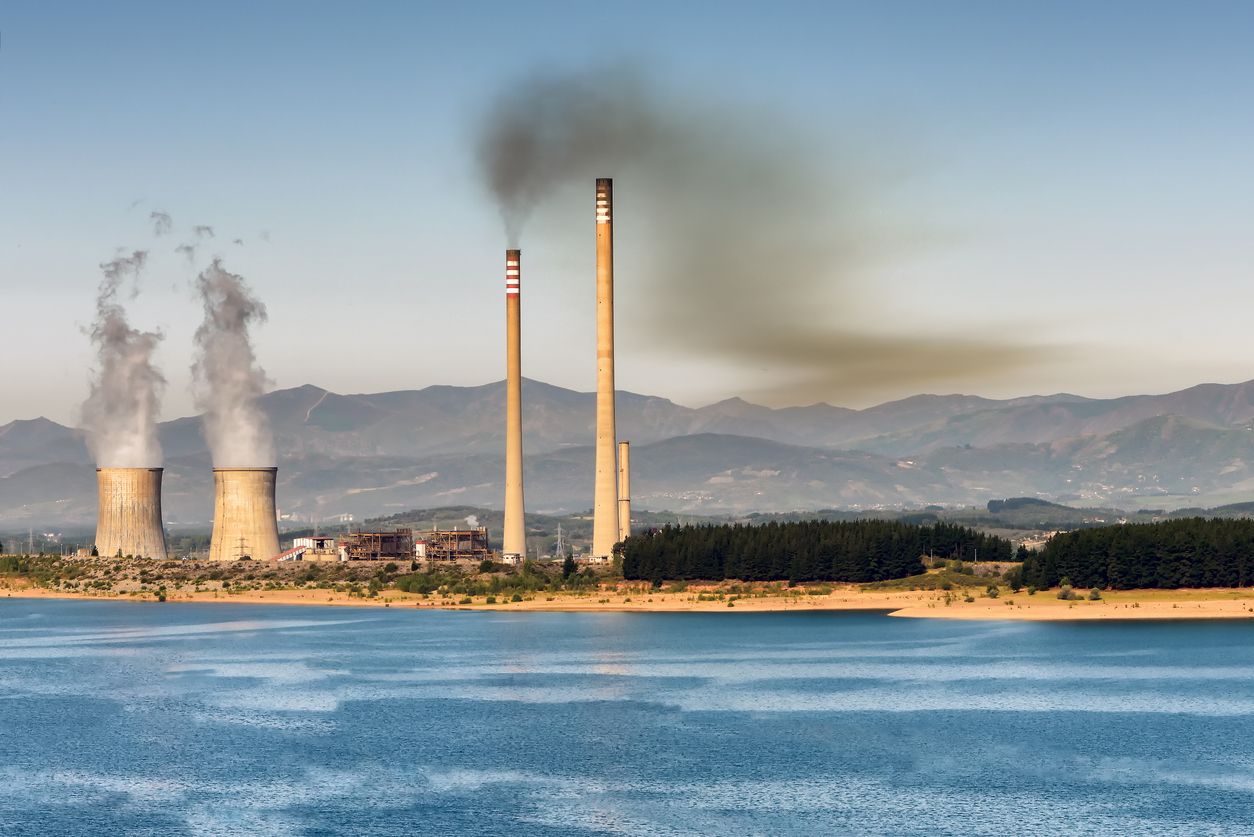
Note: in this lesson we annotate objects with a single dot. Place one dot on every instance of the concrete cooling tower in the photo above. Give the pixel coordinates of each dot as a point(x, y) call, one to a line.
point(129, 520)
point(244, 520)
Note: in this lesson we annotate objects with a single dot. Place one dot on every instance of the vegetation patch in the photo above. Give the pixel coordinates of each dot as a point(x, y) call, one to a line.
point(814, 550)
point(934, 580)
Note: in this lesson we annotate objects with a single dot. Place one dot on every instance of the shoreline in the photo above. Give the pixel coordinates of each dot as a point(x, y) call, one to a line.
point(1044, 606)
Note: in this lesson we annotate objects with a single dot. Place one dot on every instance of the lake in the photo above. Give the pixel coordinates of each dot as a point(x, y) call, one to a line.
point(219, 719)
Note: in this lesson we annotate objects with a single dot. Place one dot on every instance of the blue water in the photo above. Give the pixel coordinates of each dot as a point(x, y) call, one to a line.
point(208, 719)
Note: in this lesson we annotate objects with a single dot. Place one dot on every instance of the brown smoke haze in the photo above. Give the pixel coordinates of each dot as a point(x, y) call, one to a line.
point(120, 413)
point(162, 223)
point(755, 239)
point(228, 379)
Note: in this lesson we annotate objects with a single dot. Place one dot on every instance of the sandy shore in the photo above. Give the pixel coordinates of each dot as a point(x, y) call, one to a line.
point(1043, 606)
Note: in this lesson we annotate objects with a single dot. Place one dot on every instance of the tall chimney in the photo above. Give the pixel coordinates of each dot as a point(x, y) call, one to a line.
point(624, 490)
point(514, 537)
point(244, 521)
point(605, 496)
point(129, 521)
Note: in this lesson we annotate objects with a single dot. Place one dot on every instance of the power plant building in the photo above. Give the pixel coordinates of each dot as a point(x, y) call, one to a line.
point(376, 546)
point(454, 545)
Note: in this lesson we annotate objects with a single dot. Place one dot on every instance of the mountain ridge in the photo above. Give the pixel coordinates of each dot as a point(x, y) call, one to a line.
point(410, 448)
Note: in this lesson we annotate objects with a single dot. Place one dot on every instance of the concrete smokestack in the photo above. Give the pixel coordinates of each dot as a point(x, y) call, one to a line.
point(243, 514)
point(605, 496)
point(514, 538)
point(129, 520)
point(624, 490)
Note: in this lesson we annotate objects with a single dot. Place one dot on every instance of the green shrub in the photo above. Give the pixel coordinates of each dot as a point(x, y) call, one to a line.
point(1095, 595)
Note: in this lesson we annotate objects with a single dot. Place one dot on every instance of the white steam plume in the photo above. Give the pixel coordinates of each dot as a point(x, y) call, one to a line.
point(120, 414)
point(228, 379)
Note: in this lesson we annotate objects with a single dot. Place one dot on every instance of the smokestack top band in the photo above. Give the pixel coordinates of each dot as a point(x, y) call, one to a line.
point(605, 197)
point(512, 278)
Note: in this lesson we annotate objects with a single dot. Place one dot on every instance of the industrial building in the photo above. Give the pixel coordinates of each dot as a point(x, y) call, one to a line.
point(315, 548)
point(317, 543)
point(454, 545)
point(374, 546)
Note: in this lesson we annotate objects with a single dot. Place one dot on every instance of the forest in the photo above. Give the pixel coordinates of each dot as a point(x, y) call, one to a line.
point(1193, 552)
point(815, 550)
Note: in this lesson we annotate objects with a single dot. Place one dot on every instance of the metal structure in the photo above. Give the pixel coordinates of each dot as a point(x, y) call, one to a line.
point(605, 492)
point(456, 544)
point(129, 519)
point(624, 490)
point(373, 546)
point(514, 536)
point(245, 524)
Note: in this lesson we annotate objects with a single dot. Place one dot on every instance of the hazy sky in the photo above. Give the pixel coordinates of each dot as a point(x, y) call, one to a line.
point(1072, 183)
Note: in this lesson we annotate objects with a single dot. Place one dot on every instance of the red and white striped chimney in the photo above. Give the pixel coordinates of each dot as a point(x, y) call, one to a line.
point(514, 535)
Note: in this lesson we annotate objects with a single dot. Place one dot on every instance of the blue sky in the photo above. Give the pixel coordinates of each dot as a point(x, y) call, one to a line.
point(1078, 175)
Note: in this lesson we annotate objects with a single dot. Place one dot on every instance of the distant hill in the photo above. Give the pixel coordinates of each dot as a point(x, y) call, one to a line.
point(372, 454)
point(1020, 503)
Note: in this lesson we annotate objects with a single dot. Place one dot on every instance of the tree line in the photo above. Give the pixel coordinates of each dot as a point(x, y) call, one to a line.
point(813, 550)
point(1192, 552)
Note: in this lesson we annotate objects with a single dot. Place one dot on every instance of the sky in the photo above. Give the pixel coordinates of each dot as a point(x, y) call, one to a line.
point(1035, 197)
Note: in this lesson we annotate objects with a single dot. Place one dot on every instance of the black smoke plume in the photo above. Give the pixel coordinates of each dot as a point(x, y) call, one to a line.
point(755, 239)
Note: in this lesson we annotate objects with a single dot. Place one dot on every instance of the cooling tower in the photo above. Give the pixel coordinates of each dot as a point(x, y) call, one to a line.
point(624, 490)
point(514, 537)
point(244, 522)
point(129, 521)
point(605, 496)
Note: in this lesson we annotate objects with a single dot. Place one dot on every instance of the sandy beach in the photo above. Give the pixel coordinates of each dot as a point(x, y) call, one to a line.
point(1043, 606)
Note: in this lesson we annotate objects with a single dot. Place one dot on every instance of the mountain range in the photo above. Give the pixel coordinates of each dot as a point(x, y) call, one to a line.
point(372, 454)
